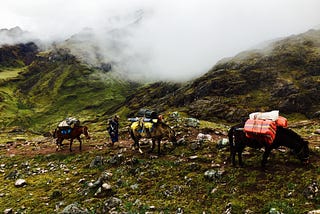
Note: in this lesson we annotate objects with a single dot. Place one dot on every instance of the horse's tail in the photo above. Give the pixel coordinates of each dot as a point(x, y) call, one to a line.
point(54, 134)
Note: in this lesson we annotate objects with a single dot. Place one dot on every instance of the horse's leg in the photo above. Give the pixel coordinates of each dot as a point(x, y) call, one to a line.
point(159, 141)
point(232, 144)
point(136, 145)
point(71, 140)
point(233, 156)
point(152, 146)
point(265, 156)
point(233, 153)
point(240, 150)
point(79, 139)
point(59, 143)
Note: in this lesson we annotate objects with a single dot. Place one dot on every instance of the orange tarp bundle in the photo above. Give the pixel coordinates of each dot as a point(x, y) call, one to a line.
point(282, 121)
point(261, 129)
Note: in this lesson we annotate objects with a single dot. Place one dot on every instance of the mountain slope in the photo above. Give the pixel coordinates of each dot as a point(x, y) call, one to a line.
point(284, 76)
point(56, 85)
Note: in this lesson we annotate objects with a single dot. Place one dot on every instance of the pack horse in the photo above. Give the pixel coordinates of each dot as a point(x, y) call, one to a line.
point(270, 134)
point(70, 130)
point(152, 128)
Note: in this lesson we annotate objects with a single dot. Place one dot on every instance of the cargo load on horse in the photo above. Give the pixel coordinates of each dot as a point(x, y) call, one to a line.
point(69, 122)
point(145, 120)
point(146, 115)
point(262, 126)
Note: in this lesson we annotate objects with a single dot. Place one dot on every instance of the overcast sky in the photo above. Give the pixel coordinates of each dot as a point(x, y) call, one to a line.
point(180, 38)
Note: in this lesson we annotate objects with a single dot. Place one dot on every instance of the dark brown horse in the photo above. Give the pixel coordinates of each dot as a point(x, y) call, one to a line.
point(284, 137)
point(157, 132)
point(70, 133)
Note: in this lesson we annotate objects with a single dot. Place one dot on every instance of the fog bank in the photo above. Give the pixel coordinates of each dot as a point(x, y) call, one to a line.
point(164, 40)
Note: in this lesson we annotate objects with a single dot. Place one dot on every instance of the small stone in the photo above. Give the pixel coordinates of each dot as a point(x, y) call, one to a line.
point(8, 211)
point(20, 183)
point(106, 186)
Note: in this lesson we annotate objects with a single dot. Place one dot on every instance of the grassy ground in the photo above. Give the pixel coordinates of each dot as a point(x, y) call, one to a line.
point(147, 183)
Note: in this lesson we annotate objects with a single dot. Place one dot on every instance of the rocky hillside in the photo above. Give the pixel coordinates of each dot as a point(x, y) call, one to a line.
point(284, 76)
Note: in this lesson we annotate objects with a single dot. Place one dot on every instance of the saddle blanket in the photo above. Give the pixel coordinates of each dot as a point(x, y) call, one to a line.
point(261, 130)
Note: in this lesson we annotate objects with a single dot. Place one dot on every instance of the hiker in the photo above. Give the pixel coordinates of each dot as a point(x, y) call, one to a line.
point(112, 129)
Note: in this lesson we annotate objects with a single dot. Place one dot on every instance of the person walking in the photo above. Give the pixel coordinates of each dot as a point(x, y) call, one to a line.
point(113, 129)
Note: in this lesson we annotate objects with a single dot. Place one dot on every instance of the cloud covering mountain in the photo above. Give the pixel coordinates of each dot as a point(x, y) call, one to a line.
point(162, 40)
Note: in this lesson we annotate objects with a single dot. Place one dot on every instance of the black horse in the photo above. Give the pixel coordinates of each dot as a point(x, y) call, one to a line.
point(284, 137)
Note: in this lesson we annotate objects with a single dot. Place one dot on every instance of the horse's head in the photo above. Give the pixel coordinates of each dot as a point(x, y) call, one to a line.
point(299, 146)
point(86, 132)
point(172, 135)
point(168, 132)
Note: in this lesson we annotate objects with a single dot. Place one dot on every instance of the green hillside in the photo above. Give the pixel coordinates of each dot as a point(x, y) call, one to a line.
point(56, 85)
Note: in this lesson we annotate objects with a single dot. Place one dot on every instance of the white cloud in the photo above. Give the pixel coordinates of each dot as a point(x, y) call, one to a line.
point(177, 38)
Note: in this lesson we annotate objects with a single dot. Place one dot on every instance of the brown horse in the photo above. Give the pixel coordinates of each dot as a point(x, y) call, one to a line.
point(156, 132)
point(74, 133)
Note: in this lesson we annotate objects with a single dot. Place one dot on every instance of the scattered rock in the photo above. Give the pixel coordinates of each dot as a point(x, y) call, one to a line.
point(312, 190)
point(274, 211)
point(222, 143)
point(20, 183)
point(314, 212)
point(179, 211)
point(111, 203)
point(117, 159)
point(98, 161)
point(74, 209)
point(213, 174)
point(8, 211)
point(192, 122)
point(204, 137)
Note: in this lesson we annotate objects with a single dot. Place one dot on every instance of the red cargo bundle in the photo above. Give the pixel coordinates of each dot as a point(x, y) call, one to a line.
point(261, 129)
point(282, 121)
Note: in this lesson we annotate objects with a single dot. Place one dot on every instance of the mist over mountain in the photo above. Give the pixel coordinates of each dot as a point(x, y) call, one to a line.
point(15, 35)
point(161, 40)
